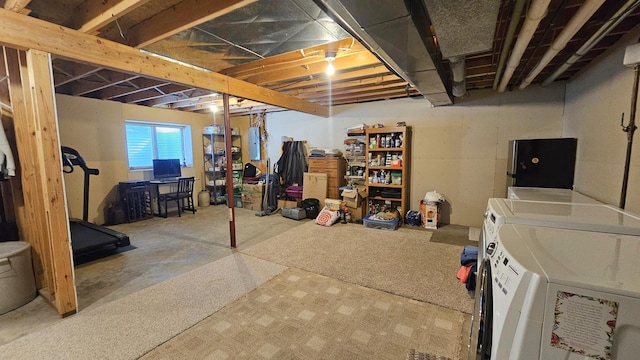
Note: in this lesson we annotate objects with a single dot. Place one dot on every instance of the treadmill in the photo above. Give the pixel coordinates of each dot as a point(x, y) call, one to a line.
point(87, 237)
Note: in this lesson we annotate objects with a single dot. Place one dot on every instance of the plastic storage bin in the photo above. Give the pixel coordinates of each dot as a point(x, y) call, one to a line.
point(17, 282)
point(380, 224)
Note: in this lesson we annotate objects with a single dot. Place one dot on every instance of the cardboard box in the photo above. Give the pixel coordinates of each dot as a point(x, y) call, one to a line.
point(333, 204)
point(357, 213)
point(314, 186)
point(253, 188)
point(252, 201)
point(430, 212)
point(354, 197)
point(284, 204)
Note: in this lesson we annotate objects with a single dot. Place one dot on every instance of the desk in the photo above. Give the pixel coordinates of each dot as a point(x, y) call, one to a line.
point(156, 188)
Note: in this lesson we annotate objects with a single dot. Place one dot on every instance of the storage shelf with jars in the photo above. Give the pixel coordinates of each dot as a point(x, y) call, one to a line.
point(355, 155)
point(387, 168)
point(215, 162)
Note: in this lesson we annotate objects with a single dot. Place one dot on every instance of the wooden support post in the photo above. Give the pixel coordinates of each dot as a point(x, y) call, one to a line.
point(44, 221)
point(231, 199)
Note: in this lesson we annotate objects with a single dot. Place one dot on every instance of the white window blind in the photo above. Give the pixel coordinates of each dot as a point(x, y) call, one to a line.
point(148, 141)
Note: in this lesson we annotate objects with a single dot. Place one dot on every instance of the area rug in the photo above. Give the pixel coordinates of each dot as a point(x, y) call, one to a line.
point(129, 327)
point(402, 262)
point(302, 315)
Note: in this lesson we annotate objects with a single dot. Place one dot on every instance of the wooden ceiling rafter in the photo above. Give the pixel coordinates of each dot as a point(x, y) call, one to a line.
point(18, 6)
point(134, 85)
point(23, 32)
point(344, 47)
point(321, 79)
point(109, 78)
point(357, 60)
point(71, 72)
point(90, 15)
point(178, 18)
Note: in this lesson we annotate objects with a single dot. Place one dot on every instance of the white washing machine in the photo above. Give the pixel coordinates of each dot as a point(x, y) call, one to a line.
point(548, 195)
point(588, 217)
point(559, 294)
point(598, 218)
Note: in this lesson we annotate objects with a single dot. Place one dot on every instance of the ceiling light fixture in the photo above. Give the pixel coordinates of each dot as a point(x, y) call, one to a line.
point(329, 56)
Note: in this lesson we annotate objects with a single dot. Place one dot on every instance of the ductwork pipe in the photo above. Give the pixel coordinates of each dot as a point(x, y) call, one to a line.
point(513, 25)
point(613, 21)
point(459, 85)
point(536, 12)
point(579, 19)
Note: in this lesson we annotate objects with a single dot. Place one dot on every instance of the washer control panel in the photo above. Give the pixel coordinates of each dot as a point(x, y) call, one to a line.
point(506, 272)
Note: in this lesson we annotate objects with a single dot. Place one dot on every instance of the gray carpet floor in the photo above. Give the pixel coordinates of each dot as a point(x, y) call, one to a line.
point(403, 262)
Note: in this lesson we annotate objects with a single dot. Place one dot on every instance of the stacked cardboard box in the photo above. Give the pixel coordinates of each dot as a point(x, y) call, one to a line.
point(354, 200)
point(252, 196)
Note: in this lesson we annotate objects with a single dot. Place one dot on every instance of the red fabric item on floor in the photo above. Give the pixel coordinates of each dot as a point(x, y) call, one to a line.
point(463, 273)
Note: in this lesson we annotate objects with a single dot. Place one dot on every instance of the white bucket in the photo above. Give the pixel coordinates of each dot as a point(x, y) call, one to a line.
point(17, 282)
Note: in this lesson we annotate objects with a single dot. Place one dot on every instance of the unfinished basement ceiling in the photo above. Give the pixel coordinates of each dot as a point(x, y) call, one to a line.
point(281, 45)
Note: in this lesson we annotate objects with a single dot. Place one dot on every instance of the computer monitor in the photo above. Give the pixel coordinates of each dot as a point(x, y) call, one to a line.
point(166, 168)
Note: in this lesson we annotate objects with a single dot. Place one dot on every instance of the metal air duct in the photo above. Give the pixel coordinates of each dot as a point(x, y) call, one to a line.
point(398, 33)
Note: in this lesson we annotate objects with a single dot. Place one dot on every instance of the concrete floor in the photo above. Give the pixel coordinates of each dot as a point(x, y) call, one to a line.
point(161, 249)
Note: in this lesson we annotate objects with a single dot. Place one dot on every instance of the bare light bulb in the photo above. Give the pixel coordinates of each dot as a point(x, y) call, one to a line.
point(214, 108)
point(330, 69)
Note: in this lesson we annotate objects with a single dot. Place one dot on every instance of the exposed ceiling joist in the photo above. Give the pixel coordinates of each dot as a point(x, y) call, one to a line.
point(131, 87)
point(67, 72)
point(108, 78)
point(23, 32)
point(182, 16)
point(91, 15)
point(16, 5)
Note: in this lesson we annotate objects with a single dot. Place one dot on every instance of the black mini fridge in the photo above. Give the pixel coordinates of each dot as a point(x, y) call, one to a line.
point(546, 163)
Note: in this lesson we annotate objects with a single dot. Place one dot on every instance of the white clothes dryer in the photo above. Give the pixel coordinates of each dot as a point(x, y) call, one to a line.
point(549, 195)
point(559, 294)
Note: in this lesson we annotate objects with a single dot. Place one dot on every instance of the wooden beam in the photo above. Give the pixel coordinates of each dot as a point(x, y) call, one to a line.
point(333, 86)
point(47, 225)
point(179, 17)
point(91, 15)
point(379, 70)
point(360, 59)
point(344, 47)
point(23, 32)
point(5, 99)
point(16, 5)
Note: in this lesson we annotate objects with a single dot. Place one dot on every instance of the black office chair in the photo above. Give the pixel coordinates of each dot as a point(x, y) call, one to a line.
point(184, 191)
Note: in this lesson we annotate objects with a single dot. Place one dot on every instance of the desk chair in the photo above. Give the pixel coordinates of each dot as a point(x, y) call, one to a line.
point(184, 190)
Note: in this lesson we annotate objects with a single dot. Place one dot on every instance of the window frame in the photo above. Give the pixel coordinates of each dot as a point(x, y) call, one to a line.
point(186, 159)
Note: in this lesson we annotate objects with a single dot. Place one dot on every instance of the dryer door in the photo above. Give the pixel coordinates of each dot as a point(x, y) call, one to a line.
point(479, 347)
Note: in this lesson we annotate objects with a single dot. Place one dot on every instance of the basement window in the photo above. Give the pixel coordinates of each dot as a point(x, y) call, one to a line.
point(147, 141)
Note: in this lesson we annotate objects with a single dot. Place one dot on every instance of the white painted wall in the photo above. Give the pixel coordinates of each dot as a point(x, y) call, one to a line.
point(96, 129)
point(595, 102)
point(459, 150)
